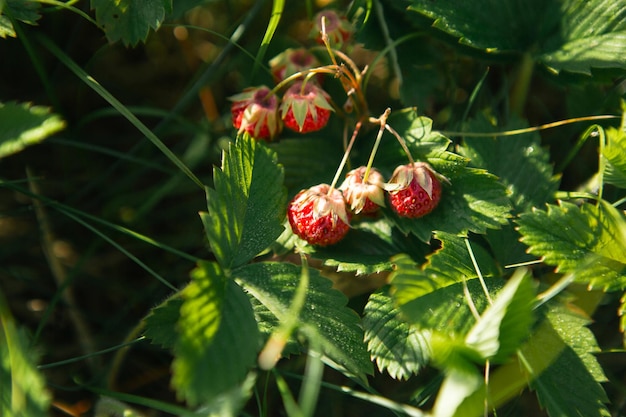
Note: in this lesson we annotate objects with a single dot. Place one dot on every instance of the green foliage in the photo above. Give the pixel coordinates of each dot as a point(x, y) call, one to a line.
point(23, 125)
point(23, 390)
point(246, 207)
point(563, 35)
point(217, 332)
point(130, 20)
point(613, 154)
point(17, 10)
point(338, 331)
point(587, 241)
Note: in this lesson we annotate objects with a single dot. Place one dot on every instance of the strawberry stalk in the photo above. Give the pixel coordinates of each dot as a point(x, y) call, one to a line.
point(382, 120)
point(342, 164)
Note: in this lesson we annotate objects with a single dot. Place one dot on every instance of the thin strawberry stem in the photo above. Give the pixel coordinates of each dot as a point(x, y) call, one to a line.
point(402, 143)
point(383, 121)
point(342, 164)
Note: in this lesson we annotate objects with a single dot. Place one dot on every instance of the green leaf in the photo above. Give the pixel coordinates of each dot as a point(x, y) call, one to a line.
point(368, 248)
point(23, 125)
point(523, 166)
point(22, 388)
point(459, 383)
point(505, 323)
point(247, 206)
point(614, 155)
point(561, 362)
point(161, 322)
point(274, 284)
point(394, 345)
point(588, 241)
point(432, 297)
point(130, 20)
point(564, 35)
point(218, 336)
point(23, 10)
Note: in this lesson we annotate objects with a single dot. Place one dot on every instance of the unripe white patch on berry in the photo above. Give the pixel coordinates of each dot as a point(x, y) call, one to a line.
point(357, 192)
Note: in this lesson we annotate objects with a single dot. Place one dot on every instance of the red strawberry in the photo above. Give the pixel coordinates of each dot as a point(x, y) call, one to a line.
point(318, 217)
point(305, 107)
point(292, 61)
point(364, 196)
point(256, 113)
point(414, 190)
point(338, 28)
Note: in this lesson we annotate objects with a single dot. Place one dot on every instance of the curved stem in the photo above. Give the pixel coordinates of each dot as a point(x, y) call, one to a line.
point(402, 143)
point(345, 156)
point(383, 122)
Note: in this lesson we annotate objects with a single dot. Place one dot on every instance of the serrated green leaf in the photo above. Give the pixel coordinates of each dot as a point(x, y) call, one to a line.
point(247, 206)
point(130, 20)
point(475, 201)
point(368, 248)
point(161, 323)
point(614, 155)
point(574, 369)
point(523, 166)
point(274, 284)
point(23, 125)
point(23, 10)
point(564, 35)
point(394, 345)
point(588, 241)
point(22, 387)
point(432, 297)
point(218, 335)
point(505, 323)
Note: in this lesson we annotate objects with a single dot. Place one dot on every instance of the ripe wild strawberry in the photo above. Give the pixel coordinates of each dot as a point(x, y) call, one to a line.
point(256, 113)
point(292, 61)
point(305, 107)
point(318, 217)
point(364, 197)
point(414, 190)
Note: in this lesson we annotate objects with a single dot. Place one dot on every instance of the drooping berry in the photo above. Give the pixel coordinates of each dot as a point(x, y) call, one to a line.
point(256, 112)
point(337, 26)
point(292, 61)
point(305, 107)
point(414, 190)
point(367, 196)
point(319, 217)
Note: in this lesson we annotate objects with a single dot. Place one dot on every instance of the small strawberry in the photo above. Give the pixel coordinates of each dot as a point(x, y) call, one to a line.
point(305, 107)
point(256, 113)
point(414, 190)
point(318, 217)
point(364, 197)
point(292, 61)
point(338, 28)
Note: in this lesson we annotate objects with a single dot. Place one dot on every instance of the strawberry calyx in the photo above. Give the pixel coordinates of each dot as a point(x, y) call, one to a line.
point(414, 189)
point(255, 111)
point(305, 107)
point(364, 195)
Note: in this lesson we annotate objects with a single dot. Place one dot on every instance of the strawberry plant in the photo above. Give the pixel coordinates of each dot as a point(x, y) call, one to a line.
point(375, 207)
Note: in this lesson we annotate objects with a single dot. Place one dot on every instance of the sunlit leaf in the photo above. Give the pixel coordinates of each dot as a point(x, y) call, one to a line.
point(218, 335)
point(615, 156)
point(589, 241)
point(395, 346)
point(505, 323)
point(161, 323)
point(23, 125)
point(247, 206)
point(341, 336)
point(130, 20)
point(22, 387)
point(432, 297)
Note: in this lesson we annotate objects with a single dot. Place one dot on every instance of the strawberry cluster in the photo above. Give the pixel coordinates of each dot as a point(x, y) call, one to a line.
point(321, 214)
point(304, 106)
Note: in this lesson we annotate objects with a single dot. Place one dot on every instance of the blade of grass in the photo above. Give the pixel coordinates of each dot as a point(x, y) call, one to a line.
point(124, 111)
point(90, 355)
point(277, 11)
